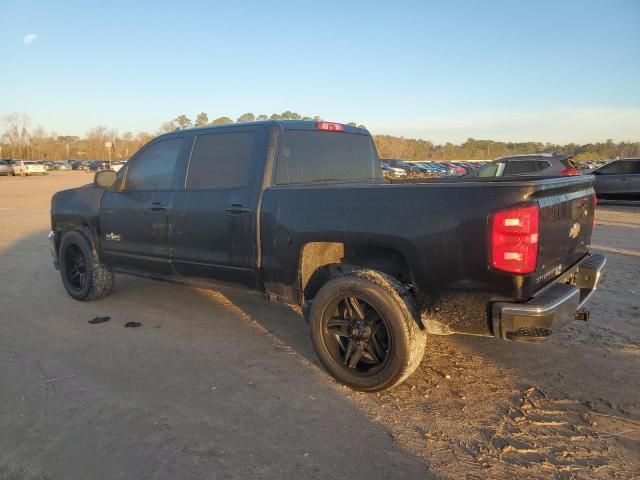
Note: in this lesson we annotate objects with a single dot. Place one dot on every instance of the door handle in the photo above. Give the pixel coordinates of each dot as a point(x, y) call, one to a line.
point(156, 206)
point(236, 209)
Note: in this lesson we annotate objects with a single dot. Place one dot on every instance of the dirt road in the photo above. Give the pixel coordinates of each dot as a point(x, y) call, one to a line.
point(218, 385)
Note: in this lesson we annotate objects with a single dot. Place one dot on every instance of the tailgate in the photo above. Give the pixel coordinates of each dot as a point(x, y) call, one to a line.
point(566, 223)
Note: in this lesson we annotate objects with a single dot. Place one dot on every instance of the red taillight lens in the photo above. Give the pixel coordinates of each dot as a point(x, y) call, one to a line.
point(571, 171)
point(514, 239)
point(331, 127)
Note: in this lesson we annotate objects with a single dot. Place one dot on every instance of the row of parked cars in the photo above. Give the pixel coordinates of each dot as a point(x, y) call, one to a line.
point(396, 169)
point(614, 179)
point(10, 167)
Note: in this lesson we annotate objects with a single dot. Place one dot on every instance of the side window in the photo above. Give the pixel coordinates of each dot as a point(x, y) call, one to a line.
point(542, 165)
point(520, 167)
point(220, 160)
point(153, 168)
point(609, 169)
point(490, 170)
point(620, 167)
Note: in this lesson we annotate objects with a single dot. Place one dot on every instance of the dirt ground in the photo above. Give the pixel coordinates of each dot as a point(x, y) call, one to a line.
point(222, 385)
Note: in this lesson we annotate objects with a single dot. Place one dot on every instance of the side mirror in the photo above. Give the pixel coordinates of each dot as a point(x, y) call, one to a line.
point(104, 179)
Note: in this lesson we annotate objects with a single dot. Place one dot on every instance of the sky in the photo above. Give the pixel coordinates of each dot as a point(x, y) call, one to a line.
point(557, 71)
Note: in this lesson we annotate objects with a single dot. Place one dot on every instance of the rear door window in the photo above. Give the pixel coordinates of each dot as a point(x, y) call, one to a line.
point(308, 156)
point(220, 160)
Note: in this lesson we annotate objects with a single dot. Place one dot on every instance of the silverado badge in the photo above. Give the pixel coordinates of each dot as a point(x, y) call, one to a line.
point(575, 231)
point(112, 236)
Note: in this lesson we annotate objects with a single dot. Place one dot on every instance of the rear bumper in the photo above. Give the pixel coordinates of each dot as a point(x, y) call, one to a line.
point(552, 307)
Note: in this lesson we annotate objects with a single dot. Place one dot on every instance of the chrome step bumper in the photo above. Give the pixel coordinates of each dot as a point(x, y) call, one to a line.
point(550, 309)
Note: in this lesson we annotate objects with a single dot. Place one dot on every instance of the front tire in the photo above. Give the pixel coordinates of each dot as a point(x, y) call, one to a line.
point(83, 275)
point(365, 331)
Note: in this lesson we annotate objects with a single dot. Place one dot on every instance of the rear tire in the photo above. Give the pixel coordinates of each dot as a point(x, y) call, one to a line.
point(371, 314)
point(83, 275)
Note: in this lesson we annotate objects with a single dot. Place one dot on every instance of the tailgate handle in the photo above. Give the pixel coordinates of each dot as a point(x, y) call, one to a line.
point(156, 206)
point(237, 209)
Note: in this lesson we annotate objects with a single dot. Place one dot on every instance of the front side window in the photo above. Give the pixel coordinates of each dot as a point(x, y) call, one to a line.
point(220, 160)
point(308, 156)
point(153, 169)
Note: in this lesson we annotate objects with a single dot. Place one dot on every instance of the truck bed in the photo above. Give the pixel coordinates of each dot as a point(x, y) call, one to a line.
point(439, 227)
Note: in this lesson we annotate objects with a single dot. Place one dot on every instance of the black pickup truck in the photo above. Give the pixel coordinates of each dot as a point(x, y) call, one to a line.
point(300, 211)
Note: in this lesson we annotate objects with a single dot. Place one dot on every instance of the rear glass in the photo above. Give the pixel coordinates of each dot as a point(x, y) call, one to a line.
point(308, 156)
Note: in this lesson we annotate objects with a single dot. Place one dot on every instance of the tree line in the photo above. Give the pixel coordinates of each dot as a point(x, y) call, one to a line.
point(19, 140)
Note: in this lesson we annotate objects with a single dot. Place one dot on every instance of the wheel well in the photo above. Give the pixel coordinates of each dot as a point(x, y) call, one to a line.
point(63, 226)
point(322, 261)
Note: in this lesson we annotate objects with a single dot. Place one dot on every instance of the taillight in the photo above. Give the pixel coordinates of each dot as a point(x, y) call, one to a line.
point(571, 171)
point(332, 127)
point(514, 239)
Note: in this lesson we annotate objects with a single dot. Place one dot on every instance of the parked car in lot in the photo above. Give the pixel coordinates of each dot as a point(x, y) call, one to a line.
point(25, 168)
point(81, 165)
point(61, 166)
point(6, 169)
point(619, 179)
point(430, 169)
point(299, 210)
point(392, 172)
point(98, 165)
point(539, 164)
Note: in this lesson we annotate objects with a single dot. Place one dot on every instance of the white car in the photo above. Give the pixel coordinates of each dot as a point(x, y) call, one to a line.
point(23, 168)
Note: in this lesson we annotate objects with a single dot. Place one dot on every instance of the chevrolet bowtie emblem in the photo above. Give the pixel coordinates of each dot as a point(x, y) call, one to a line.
point(575, 231)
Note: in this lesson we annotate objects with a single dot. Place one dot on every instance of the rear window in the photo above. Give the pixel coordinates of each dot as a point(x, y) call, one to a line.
point(308, 156)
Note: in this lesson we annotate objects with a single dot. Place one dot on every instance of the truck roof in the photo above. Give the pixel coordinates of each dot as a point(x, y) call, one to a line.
point(285, 124)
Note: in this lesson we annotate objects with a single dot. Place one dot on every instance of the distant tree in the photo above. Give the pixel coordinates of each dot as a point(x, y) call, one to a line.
point(352, 124)
point(288, 115)
point(275, 116)
point(202, 119)
point(262, 118)
point(222, 121)
point(247, 117)
point(183, 122)
point(167, 127)
point(16, 134)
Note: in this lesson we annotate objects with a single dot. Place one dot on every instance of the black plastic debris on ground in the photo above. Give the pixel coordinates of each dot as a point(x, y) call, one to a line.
point(97, 320)
point(132, 324)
